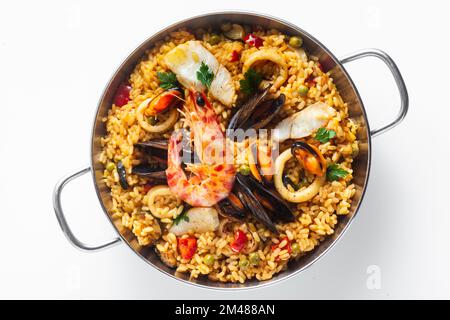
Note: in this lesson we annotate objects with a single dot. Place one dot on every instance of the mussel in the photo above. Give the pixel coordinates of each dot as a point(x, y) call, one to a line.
point(164, 101)
point(265, 113)
point(278, 208)
point(232, 207)
point(155, 150)
point(252, 203)
point(260, 159)
point(245, 111)
point(153, 172)
point(310, 157)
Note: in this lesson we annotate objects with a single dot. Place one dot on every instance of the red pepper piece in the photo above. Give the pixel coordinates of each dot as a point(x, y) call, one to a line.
point(122, 96)
point(310, 80)
point(240, 240)
point(187, 247)
point(253, 40)
point(286, 247)
point(234, 56)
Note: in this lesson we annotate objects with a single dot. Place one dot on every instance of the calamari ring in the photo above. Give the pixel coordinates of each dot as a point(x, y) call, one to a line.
point(299, 195)
point(271, 55)
point(160, 127)
point(162, 213)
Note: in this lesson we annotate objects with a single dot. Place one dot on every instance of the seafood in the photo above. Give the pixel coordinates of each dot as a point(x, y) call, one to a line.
point(231, 207)
point(301, 195)
point(162, 194)
point(310, 157)
point(253, 204)
point(245, 111)
point(164, 102)
point(304, 122)
point(278, 208)
point(200, 219)
point(185, 60)
point(149, 171)
point(268, 55)
point(213, 178)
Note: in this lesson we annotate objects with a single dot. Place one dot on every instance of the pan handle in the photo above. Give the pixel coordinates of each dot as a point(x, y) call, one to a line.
point(62, 220)
point(404, 100)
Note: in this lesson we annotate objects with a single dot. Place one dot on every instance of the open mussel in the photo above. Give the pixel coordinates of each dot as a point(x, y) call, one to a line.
point(155, 150)
point(232, 207)
point(265, 113)
point(245, 111)
point(279, 209)
point(257, 112)
point(252, 203)
point(260, 156)
point(165, 100)
point(151, 171)
point(310, 157)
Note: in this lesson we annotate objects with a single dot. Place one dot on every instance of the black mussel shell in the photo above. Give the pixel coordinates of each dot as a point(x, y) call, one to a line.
point(279, 208)
point(245, 111)
point(265, 113)
point(252, 204)
point(229, 208)
point(149, 171)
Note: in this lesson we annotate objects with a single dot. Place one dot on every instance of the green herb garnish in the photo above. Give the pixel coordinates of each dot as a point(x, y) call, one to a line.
point(251, 81)
point(204, 75)
point(182, 216)
point(324, 135)
point(167, 80)
point(334, 172)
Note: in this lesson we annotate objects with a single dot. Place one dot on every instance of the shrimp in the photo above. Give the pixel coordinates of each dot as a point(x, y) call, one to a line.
point(212, 179)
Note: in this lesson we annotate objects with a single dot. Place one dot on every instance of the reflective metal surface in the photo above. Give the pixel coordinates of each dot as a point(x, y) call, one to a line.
point(404, 99)
point(347, 90)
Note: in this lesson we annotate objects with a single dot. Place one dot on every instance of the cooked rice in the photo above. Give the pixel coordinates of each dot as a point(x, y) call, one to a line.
point(315, 219)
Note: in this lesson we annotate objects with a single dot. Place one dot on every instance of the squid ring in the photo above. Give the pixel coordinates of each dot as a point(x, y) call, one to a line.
point(160, 127)
point(271, 55)
point(299, 195)
point(158, 212)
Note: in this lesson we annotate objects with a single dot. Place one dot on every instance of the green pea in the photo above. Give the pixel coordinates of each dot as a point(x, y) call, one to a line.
point(254, 258)
point(214, 39)
point(303, 90)
point(110, 166)
point(152, 120)
point(209, 259)
point(243, 263)
point(295, 42)
point(295, 248)
point(244, 170)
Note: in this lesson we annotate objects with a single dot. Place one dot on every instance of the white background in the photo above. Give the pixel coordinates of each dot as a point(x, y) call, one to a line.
point(56, 57)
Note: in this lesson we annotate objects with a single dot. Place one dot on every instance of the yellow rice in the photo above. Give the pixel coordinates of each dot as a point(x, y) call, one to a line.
point(315, 219)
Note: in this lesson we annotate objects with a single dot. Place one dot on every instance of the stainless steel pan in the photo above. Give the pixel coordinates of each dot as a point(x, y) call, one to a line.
point(349, 93)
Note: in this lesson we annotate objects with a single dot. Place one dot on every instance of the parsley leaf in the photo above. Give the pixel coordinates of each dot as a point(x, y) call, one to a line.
point(204, 75)
point(167, 80)
point(181, 216)
point(251, 81)
point(323, 135)
point(334, 172)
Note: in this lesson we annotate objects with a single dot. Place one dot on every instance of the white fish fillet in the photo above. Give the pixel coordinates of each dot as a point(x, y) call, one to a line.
point(201, 219)
point(185, 60)
point(304, 122)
